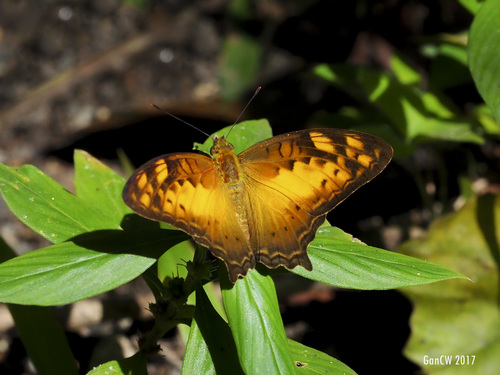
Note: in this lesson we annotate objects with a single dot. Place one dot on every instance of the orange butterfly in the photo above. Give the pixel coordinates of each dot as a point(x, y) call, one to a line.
point(264, 204)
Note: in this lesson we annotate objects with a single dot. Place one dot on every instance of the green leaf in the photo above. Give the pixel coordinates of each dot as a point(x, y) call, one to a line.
point(457, 317)
point(217, 336)
point(241, 136)
point(254, 317)
point(413, 113)
point(484, 59)
point(86, 266)
point(46, 207)
point(342, 261)
point(135, 365)
point(309, 361)
point(99, 186)
point(211, 347)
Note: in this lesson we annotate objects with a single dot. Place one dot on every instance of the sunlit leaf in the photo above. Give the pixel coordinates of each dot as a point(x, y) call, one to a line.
point(86, 266)
point(241, 136)
point(309, 361)
point(46, 207)
point(99, 185)
point(254, 317)
point(135, 365)
point(340, 260)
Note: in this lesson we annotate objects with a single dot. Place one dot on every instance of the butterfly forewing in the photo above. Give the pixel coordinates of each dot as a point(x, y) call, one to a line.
point(263, 205)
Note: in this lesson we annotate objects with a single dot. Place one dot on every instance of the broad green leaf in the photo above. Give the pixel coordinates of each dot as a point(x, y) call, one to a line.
point(254, 317)
point(211, 347)
point(199, 360)
point(46, 207)
point(86, 266)
point(239, 65)
point(484, 60)
point(309, 361)
point(241, 136)
point(342, 261)
point(135, 365)
point(99, 186)
point(458, 317)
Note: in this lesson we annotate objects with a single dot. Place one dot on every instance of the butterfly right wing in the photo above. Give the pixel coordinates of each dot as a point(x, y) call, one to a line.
point(293, 180)
point(184, 190)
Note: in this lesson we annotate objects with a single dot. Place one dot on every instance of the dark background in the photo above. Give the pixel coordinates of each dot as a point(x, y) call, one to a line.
point(82, 74)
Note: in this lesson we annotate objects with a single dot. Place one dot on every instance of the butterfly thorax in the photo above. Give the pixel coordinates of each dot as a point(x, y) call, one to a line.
point(226, 161)
point(230, 172)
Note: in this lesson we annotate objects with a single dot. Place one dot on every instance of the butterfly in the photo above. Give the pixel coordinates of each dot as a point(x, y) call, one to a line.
point(264, 204)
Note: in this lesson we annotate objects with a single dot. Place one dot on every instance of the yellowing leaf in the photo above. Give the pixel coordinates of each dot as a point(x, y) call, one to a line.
point(457, 317)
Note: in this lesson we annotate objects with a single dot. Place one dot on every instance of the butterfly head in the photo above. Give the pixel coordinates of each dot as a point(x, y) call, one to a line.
point(221, 145)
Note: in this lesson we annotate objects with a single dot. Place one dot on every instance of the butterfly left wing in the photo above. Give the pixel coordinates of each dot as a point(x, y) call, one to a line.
point(184, 190)
point(295, 179)
point(165, 188)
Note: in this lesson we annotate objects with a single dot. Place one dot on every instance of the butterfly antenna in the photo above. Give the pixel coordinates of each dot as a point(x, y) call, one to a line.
point(244, 109)
point(178, 118)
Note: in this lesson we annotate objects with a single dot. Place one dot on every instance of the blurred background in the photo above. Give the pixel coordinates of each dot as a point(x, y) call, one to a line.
point(83, 74)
